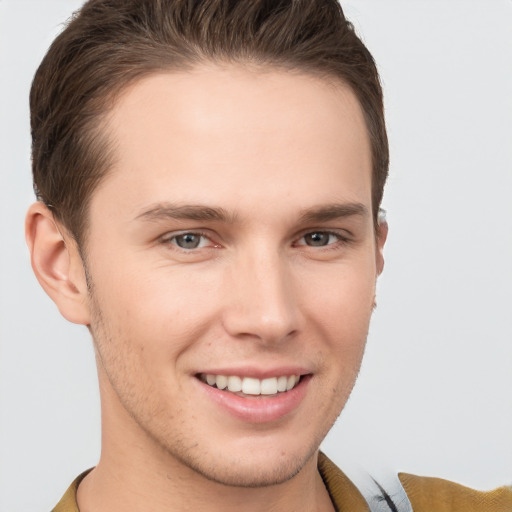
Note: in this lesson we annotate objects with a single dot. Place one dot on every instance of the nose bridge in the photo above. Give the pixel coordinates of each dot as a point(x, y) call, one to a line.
point(262, 301)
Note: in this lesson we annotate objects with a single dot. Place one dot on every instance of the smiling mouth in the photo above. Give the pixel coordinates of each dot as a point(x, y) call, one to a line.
point(250, 386)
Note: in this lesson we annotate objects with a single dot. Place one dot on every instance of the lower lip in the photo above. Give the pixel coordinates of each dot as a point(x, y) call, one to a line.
point(261, 409)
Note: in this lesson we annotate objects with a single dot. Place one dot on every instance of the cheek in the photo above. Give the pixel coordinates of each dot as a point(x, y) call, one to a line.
point(155, 313)
point(343, 295)
point(339, 312)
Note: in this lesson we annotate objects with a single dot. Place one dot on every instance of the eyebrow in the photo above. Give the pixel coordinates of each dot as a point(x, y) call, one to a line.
point(333, 211)
point(165, 211)
point(324, 213)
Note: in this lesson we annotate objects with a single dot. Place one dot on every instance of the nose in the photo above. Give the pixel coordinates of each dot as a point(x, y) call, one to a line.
point(260, 299)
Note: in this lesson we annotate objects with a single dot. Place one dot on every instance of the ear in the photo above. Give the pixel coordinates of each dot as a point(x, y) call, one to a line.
point(382, 235)
point(57, 264)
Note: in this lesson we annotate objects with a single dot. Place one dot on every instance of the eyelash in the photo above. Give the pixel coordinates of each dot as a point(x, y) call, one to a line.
point(340, 240)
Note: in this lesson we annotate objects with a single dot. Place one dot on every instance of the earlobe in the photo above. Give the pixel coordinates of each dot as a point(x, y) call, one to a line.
point(57, 264)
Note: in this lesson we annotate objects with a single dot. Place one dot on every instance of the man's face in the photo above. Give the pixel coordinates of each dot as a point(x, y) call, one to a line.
point(232, 244)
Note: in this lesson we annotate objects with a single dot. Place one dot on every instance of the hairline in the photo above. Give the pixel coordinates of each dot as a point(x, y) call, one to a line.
point(99, 127)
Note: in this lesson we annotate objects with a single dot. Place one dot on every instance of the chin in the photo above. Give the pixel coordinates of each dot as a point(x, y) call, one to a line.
point(251, 471)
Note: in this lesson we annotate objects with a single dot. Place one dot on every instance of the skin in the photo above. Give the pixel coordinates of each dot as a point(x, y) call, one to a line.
point(273, 151)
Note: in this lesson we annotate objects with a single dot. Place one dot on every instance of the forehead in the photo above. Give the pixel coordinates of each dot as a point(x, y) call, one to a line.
point(212, 133)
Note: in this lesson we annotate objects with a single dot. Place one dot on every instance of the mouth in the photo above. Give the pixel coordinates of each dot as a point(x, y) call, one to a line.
point(253, 400)
point(251, 387)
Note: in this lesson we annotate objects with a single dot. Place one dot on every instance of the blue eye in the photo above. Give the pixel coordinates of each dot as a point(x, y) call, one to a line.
point(188, 240)
point(320, 238)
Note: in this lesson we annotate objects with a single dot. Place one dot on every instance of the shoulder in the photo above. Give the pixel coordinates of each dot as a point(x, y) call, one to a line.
point(407, 493)
point(343, 492)
point(68, 502)
point(427, 493)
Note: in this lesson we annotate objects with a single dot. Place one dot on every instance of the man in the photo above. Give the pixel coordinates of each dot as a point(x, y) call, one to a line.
point(209, 178)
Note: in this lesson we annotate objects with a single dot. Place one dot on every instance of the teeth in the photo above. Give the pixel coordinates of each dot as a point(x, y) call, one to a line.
point(234, 384)
point(252, 386)
point(221, 381)
point(269, 386)
point(281, 383)
point(290, 382)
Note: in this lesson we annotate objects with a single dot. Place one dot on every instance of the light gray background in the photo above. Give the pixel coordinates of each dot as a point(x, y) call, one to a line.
point(434, 395)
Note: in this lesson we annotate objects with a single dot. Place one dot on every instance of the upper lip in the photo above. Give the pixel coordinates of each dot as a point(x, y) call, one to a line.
point(256, 373)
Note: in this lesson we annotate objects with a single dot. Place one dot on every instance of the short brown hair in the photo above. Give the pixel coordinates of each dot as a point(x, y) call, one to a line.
point(109, 44)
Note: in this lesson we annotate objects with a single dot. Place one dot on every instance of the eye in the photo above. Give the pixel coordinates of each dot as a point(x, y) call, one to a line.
point(189, 241)
point(319, 239)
